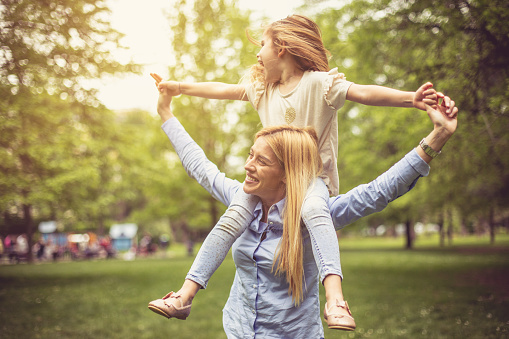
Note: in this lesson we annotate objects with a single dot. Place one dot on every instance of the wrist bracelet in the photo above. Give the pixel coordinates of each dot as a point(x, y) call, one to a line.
point(427, 149)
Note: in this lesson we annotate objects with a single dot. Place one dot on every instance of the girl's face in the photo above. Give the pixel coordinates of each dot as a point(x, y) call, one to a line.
point(268, 58)
point(265, 177)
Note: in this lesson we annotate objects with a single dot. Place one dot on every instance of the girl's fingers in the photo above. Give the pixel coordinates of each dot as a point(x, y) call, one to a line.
point(156, 77)
point(430, 91)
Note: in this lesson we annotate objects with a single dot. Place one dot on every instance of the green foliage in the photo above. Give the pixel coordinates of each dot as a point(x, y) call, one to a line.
point(460, 46)
point(54, 133)
point(64, 156)
point(209, 44)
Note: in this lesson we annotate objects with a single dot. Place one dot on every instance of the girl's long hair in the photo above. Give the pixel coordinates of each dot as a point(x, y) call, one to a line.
point(296, 149)
point(302, 38)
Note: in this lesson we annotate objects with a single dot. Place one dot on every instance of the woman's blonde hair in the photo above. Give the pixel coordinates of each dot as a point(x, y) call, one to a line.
point(302, 38)
point(296, 149)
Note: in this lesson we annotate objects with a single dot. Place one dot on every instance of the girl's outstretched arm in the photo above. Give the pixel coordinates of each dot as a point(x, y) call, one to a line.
point(374, 95)
point(209, 90)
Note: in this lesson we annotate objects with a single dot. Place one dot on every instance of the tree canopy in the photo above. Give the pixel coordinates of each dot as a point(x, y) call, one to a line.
point(53, 130)
point(65, 157)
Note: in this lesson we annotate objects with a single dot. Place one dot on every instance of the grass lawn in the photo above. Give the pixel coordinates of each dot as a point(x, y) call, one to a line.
point(461, 291)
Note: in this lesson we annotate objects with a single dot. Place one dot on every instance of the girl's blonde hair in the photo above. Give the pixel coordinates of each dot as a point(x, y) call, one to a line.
point(296, 149)
point(302, 38)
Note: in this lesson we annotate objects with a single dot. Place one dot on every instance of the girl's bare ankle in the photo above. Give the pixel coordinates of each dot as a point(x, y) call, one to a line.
point(333, 297)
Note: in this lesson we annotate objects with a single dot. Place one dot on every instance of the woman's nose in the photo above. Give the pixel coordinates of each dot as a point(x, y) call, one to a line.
point(249, 165)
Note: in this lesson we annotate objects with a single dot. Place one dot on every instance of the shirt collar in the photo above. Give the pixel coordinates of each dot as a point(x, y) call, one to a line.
point(275, 214)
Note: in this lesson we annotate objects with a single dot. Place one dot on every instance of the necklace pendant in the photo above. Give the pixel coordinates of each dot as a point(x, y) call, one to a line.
point(290, 115)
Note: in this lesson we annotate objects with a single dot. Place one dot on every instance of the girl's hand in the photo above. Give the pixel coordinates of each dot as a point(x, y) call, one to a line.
point(425, 95)
point(172, 87)
point(157, 78)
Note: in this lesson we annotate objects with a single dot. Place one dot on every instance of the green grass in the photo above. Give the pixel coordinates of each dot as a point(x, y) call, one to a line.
point(460, 291)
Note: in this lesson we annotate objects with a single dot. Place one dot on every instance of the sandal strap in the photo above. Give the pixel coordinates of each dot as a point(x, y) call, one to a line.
point(170, 295)
point(337, 304)
point(173, 295)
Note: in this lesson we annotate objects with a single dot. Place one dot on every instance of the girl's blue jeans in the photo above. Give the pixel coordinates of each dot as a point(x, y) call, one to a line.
point(238, 216)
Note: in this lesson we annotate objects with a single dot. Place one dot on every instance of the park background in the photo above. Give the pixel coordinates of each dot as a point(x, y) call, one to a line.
point(433, 264)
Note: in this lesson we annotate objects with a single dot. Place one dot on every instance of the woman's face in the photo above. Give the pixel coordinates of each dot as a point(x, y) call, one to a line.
point(265, 177)
point(268, 58)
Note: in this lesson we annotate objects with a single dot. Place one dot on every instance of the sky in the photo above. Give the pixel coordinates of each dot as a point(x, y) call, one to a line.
point(146, 32)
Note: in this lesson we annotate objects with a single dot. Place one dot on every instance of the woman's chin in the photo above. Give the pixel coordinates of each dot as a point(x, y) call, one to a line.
point(248, 189)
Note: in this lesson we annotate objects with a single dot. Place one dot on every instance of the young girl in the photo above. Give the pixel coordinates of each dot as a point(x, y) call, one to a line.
point(291, 84)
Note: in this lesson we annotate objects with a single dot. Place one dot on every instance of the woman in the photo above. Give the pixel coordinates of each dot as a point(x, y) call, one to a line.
point(282, 163)
point(292, 84)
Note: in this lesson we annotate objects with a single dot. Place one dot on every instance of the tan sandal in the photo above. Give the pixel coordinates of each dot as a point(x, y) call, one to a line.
point(339, 317)
point(170, 306)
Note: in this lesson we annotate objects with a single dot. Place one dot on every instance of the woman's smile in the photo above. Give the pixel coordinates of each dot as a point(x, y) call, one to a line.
point(250, 178)
point(264, 173)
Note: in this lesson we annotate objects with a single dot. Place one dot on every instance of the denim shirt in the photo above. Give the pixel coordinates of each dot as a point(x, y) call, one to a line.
point(259, 305)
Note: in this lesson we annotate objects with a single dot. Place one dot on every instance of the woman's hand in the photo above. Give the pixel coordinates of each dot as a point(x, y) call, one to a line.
point(444, 123)
point(444, 116)
point(164, 101)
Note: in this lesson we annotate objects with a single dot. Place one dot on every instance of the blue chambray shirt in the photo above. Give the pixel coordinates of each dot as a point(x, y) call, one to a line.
point(259, 305)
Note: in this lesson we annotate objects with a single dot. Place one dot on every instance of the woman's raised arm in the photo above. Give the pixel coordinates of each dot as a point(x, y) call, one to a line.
point(400, 178)
point(194, 160)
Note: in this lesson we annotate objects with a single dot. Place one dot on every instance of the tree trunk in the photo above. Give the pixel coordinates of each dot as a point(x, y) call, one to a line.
point(410, 234)
point(492, 226)
point(180, 232)
point(450, 227)
point(441, 230)
point(29, 224)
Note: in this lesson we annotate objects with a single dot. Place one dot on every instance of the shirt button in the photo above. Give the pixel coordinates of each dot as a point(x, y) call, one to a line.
point(254, 286)
point(254, 264)
point(253, 313)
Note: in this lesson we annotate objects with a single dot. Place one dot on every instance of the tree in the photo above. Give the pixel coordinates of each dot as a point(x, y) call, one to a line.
point(461, 46)
point(209, 44)
point(48, 48)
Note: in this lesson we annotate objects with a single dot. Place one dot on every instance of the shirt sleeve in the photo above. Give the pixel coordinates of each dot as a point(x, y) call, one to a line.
point(197, 165)
point(373, 197)
point(254, 91)
point(335, 88)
